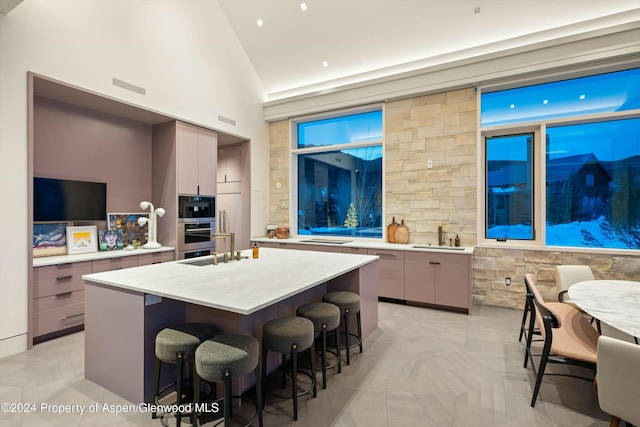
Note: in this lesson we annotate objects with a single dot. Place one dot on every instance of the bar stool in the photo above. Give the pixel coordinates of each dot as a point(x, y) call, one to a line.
point(348, 303)
point(325, 318)
point(289, 335)
point(175, 345)
point(223, 359)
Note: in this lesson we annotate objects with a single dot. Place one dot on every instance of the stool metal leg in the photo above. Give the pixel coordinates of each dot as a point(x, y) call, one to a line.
point(359, 319)
point(324, 356)
point(338, 353)
point(346, 335)
point(156, 385)
point(179, 368)
point(264, 369)
point(259, 400)
point(294, 379)
point(195, 421)
point(227, 397)
point(313, 370)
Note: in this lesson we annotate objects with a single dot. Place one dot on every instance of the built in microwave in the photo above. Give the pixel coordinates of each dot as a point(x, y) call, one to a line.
point(196, 207)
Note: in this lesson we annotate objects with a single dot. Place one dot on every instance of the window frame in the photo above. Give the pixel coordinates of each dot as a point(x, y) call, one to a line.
point(539, 165)
point(294, 151)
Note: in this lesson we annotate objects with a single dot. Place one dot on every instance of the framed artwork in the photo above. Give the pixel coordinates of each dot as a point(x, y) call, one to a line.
point(110, 240)
point(49, 239)
point(82, 240)
point(132, 232)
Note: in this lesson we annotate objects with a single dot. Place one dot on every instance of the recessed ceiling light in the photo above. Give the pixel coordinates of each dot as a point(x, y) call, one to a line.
point(546, 101)
point(582, 96)
point(260, 22)
point(325, 64)
point(303, 6)
point(512, 106)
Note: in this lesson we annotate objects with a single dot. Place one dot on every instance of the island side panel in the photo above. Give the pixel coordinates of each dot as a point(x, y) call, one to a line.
point(120, 339)
point(364, 282)
point(114, 340)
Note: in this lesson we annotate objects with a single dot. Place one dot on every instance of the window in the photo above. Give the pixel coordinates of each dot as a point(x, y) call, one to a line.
point(586, 161)
point(509, 187)
point(593, 185)
point(338, 161)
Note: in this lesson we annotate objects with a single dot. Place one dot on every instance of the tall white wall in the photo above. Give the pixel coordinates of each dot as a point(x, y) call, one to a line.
point(183, 53)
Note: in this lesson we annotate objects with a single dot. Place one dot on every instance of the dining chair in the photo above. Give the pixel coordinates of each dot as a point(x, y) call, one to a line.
point(568, 337)
point(619, 380)
point(567, 275)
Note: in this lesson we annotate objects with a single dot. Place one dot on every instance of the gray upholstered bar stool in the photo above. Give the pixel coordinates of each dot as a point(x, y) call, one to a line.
point(348, 303)
point(289, 336)
point(325, 318)
point(225, 358)
point(175, 345)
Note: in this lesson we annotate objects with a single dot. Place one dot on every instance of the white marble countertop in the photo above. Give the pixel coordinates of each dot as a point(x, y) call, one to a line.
point(244, 286)
point(366, 244)
point(615, 302)
point(64, 259)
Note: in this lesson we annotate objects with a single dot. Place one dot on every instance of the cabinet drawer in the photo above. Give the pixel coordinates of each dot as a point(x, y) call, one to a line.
point(357, 251)
point(437, 258)
point(58, 318)
point(61, 271)
point(100, 265)
point(57, 279)
point(57, 301)
point(155, 258)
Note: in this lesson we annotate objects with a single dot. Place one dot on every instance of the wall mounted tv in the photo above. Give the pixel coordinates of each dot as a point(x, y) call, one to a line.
point(66, 200)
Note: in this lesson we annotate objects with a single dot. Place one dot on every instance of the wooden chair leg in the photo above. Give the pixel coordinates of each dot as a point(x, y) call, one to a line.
point(541, 368)
point(615, 422)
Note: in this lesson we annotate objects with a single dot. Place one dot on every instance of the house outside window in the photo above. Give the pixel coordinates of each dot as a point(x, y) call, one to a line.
point(337, 160)
point(586, 162)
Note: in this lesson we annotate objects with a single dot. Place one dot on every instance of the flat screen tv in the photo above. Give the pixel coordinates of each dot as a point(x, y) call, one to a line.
point(67, 200)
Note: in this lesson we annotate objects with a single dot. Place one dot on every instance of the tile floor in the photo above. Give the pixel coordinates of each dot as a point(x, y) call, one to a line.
point(421, 367)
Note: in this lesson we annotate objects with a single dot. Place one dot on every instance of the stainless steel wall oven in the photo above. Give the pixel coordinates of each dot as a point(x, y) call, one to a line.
point(196, 226)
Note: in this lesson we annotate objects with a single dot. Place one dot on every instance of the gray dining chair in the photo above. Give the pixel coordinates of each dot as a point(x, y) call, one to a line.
point(619, 380)
point(567, 275)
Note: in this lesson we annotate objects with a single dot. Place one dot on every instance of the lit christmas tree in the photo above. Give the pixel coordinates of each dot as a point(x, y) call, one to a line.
point(352, 217)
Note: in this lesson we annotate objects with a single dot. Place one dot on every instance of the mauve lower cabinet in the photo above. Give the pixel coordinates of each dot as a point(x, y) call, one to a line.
point(58, 290)
point(439, 279)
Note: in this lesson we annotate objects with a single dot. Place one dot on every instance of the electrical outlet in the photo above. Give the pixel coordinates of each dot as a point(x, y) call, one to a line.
point(429, 164)
point(507, 281)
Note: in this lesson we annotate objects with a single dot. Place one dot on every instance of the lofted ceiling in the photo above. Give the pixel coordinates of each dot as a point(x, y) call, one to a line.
point(366, 39)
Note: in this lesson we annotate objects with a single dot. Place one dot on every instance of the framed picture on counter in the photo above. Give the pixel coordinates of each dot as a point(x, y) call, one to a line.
point(82, 239)
point(110, 240)
point(49, 239)
point(127, 223)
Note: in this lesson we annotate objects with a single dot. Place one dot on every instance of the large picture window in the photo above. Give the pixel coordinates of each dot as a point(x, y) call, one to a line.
point(339, 171)
point(581, 180)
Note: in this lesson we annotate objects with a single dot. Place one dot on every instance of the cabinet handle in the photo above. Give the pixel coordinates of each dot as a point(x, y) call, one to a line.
point(383, 254)
point(72, 316)
point(64, 277)
point(434, 263)
point(61, 294)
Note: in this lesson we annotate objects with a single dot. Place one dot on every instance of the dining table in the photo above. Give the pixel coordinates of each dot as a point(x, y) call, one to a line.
point(614, 302)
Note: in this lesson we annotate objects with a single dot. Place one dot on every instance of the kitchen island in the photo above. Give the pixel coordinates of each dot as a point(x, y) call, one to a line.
point(126, 308)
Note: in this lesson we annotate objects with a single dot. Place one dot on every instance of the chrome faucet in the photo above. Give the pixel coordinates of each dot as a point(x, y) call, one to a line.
point(232, 238)
point(441, 241)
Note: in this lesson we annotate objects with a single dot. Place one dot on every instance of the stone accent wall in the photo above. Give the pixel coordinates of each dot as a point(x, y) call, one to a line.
point(492, 266)
point(443, 128)
point(440, 128)
point(279, 160)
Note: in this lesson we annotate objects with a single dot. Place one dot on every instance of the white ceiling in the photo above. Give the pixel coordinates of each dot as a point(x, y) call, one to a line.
point(365, 39)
